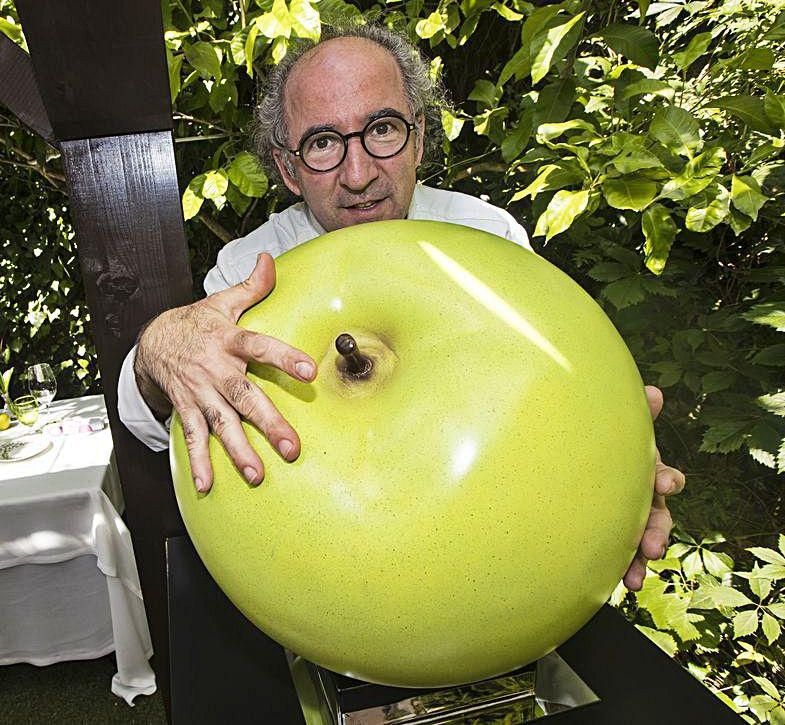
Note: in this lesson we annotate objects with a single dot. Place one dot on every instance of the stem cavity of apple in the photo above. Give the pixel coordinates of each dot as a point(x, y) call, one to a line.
point(354, 363)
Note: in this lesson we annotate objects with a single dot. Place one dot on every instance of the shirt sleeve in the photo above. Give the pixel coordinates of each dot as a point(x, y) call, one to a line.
point(135, 413)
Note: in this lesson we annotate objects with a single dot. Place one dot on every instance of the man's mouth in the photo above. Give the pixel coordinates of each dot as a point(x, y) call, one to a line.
point(365, 205)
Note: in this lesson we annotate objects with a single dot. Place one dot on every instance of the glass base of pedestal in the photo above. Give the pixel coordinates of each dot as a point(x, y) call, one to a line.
point(548, 686)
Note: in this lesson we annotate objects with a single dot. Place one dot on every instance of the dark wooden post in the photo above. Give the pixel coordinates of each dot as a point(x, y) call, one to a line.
point(100, 69)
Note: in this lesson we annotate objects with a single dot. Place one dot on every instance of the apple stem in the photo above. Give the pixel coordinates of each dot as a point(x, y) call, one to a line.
point(355, 363)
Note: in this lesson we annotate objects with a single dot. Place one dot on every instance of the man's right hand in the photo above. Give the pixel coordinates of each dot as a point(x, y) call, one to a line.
point(194, 359)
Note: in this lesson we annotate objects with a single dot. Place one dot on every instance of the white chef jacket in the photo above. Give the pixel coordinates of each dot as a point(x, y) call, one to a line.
point(285, 231)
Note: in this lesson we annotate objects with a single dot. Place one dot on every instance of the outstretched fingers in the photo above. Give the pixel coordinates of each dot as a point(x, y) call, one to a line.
point(272, 351)
point(653, 545)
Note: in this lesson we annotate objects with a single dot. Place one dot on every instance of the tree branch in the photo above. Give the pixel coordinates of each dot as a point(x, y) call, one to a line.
point(215, 227)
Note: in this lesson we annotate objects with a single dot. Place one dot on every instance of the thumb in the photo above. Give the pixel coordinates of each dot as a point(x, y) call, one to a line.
point(654, 399)
point(235, 300)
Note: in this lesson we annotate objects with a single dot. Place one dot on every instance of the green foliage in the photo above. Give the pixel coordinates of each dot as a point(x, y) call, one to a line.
point(641, 144)
point(721, 621)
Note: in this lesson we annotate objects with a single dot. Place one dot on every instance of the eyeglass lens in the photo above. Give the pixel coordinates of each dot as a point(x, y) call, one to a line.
point(382, 138)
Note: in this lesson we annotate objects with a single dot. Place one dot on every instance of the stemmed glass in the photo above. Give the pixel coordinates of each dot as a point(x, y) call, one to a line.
point(42, 383)
point(26, 410)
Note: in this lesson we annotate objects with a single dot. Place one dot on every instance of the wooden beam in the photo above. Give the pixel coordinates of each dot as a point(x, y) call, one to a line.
point(19, 90)
point(100, 65)
point(101, 70)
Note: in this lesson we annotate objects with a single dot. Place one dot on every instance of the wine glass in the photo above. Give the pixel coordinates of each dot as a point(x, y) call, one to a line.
point(26, 409)
point(42, 383)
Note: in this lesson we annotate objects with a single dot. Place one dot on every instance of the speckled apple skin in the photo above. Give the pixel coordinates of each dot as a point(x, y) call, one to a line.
point(473, 511)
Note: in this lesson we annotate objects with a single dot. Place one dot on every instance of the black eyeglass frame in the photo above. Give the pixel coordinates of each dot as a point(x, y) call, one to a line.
point(354, 134)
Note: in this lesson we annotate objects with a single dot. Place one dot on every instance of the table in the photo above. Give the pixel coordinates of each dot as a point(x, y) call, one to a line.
point(69, 587)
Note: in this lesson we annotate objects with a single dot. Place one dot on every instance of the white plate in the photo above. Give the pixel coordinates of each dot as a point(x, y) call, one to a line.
point(22, 448)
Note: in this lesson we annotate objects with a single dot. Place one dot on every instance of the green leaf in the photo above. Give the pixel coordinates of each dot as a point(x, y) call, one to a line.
point(485, 93)
point(746, 196)
point(767, 686)
point(773, 355)
point(697, 46)
point(175, 63)
point(250, 45)
point(662, 639)
point(554, 102)
point(745, 623)
point(760, 585)
point(12, 31)
point(305, 20)
point(629, 192)
point(452, 125)
point(768, 555)
point(631, 160)
point(428, 27)
point(519, 66)
point(638, 44)
point(625, 293)
point(239, 202)
point(774, 403)
point(553, 44)
point(550, 131)
point(750, 59)
point(774, 107)
point(748, 109)
point(277, 23)
point(676, 129)
point(777, 29)
point(562, 210)
point(247, 175)
point(725, 437)
point(507, 13)
point(609, 271)
point(515, 141)
point(659, 230)
point(645, 87)
point(712, 207)
point(192, 197)
point(717, 380)
point(215, 184)
point(771, 628)
point(771, 314)
point(205, 58)
point(717, 564)
point(777, 609)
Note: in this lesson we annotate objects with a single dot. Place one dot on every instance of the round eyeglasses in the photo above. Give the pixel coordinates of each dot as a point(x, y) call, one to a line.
point(381, 138)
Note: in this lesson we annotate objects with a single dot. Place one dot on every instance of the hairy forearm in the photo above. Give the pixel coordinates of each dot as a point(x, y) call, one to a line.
point(144, 364)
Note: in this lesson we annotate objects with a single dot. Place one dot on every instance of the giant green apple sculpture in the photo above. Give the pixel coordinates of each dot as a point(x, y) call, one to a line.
point(474, 478)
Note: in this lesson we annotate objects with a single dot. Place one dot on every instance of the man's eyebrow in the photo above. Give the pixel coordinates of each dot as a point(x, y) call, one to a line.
point(311, 130)
point(382, 112)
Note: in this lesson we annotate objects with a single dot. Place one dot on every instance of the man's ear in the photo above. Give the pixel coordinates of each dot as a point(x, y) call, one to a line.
point(420, 131)
point(286, 173)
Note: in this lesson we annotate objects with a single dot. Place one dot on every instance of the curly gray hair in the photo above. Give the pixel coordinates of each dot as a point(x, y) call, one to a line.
point(425, 95)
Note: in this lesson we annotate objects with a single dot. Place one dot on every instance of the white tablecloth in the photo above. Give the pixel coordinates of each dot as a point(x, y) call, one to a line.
point(69, 587)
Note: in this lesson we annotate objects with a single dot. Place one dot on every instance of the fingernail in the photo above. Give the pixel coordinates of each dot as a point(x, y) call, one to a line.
point(286, 447)
point(250, 474)
point(199, 483)
point(304, 370)
point(664, 551)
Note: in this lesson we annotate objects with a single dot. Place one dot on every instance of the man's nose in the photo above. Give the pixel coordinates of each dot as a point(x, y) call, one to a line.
point(359, 168)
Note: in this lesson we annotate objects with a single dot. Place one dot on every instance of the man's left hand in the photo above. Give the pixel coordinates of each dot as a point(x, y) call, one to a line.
point(667, 482)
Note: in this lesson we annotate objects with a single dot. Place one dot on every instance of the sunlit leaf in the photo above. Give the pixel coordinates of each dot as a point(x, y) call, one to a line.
point(276, 23)
point(697, 46)
point(659, 230)
point(767, 313)
point(746, 195)
point(247, 175)
point(710, 208)
point(515, 141)
point(645, 87)
point(676, 129)
point(204, 58)
point(215, 183)
point(552, 45)
point(192, 197)
point(745, 623)
point(768, 555)
point(428, 27)
point(305, 20)
point(662, 639)
point(562, 210)
point(452, 125)
point(629, 192)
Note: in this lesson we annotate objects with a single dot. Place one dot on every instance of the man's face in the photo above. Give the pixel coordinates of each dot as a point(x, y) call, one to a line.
point(342, 85)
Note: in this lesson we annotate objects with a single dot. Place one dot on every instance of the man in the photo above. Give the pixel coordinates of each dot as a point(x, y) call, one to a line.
point(345, 123)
